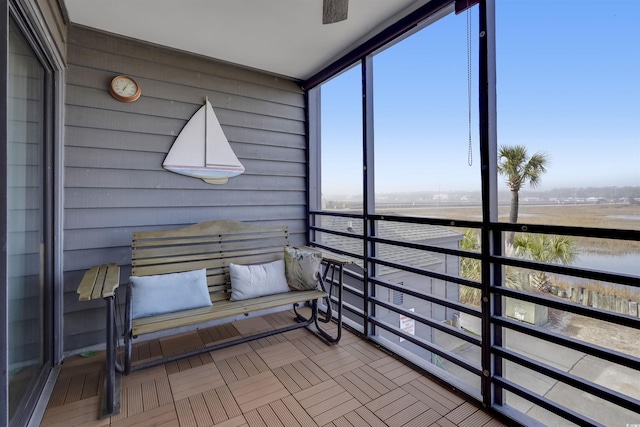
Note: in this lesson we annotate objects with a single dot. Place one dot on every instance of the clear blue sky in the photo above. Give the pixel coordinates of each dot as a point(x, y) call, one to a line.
point(568, 84)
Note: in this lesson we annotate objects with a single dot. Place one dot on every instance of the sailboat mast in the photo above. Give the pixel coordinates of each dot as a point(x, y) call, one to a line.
point(206, 136)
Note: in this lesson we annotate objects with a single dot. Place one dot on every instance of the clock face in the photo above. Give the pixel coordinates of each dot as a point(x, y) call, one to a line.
point(124, 89)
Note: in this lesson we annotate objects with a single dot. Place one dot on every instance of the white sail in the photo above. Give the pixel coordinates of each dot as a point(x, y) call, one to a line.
point(201, 150)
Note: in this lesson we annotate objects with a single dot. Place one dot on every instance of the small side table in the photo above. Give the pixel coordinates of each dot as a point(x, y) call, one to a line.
point(101, 282)
point(335, 264)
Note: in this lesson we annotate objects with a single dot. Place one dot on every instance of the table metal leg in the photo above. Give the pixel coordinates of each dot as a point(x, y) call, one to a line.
point(329, 299)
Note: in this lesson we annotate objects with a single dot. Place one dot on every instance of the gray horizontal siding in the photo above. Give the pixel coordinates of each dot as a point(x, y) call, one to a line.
point(142, 217)
point(114, 180)
point(80, 198)
point(106, 138)
point(155, 159)
point(126, 50)
point(164, 123)
point(87, 82)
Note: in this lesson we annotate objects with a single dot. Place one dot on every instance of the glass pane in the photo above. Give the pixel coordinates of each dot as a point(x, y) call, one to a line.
point(421, 114)
point(570, 92)
point(25, 217)
point(341, 141)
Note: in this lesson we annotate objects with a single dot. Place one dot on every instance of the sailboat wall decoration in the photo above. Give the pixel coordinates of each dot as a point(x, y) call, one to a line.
point(201, 150)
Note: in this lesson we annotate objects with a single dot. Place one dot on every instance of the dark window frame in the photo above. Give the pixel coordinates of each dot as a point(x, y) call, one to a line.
point(493, 385)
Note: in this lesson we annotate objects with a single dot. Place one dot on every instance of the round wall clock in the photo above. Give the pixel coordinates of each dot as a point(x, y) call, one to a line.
point(125, 89)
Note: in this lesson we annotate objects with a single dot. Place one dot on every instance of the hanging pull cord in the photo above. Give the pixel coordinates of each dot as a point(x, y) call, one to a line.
point(470, 154)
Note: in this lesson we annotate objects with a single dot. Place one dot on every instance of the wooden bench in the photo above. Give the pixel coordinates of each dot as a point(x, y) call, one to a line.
point(211, 245)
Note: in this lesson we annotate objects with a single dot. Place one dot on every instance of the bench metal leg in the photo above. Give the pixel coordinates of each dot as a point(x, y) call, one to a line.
point(111, 396)
point(128, 334)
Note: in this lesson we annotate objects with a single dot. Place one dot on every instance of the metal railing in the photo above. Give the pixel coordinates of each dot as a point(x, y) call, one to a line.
point(493, 368)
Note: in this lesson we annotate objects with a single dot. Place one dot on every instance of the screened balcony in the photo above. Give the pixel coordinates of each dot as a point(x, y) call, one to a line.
point(378, 138)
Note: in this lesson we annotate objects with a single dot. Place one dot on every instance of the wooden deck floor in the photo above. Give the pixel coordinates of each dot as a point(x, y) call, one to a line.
point(291, 379)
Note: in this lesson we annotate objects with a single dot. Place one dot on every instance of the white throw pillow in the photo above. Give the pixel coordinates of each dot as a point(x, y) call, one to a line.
point(302, 268)
point(250, 281)
point(165, 293)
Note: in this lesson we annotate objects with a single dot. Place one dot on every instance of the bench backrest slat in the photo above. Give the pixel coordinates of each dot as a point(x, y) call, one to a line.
point(152, 257)
point(212, 245)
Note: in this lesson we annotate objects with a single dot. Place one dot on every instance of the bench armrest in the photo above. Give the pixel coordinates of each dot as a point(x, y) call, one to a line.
point(100, 281)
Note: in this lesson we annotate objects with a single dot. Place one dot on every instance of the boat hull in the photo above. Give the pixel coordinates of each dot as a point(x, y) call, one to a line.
point(210, 176)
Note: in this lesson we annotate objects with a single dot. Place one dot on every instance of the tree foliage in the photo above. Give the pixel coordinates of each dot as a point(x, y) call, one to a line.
point(471, 268)
point(547, 249)
point(518, 168)
point(535, 247)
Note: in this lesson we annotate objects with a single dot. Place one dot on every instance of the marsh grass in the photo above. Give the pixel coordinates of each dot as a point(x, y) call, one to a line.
point(619, 291)
point(615, 216)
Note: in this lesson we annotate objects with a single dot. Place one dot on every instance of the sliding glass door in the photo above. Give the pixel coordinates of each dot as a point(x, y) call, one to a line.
point(29, 313)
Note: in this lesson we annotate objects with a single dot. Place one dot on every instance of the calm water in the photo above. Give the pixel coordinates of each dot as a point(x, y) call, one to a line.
point(632, 217)
point(623, 264)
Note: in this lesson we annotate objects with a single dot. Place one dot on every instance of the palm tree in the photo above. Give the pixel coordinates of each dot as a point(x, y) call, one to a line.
point(471, 268)
point(544, 248)
point(518, 168)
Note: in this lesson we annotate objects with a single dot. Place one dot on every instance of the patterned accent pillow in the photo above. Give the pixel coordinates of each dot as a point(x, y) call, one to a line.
point(302, 268)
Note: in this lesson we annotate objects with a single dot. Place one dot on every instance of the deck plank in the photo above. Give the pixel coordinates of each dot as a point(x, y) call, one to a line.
point(280, 354)
point(134, 400)
point(286, 379)
point(336, 361)
point(194, 381)
point(77, 413)
point(254, 419)
point(215, 407)
point(200, 411)
point(407, 414)
point(366, 416)
point(149, 396)
point(270, 417)
point(186, 418)
point(298, 412)
point(462, 412)
point(253, 392)
point(59, 392)
point(426, 418)
point(361, 391)
point(238, 421)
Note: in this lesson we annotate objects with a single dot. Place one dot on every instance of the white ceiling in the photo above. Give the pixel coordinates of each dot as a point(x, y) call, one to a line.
point(285, 37)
